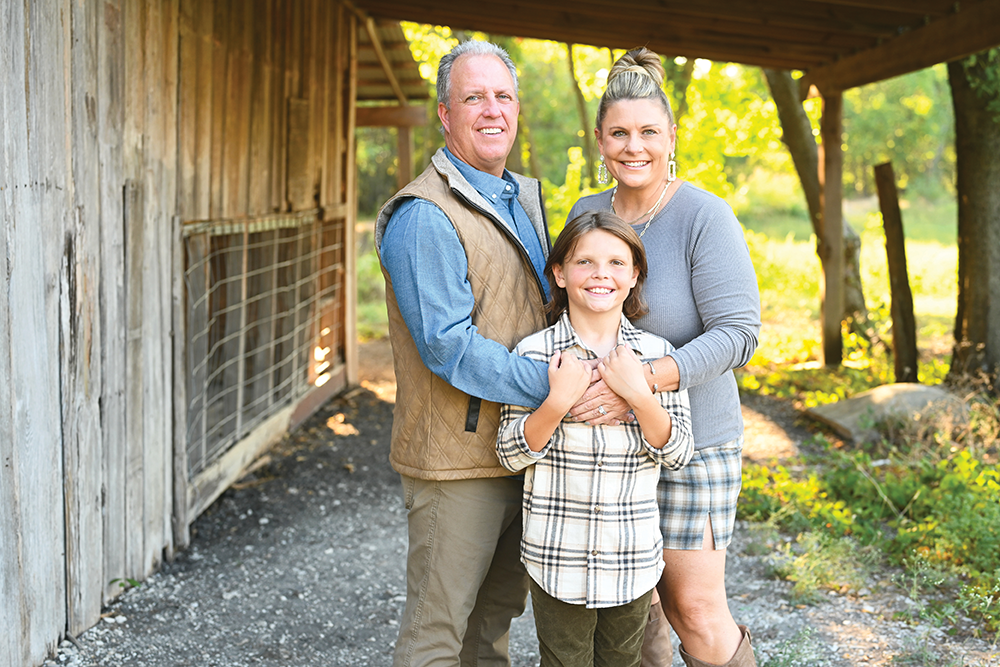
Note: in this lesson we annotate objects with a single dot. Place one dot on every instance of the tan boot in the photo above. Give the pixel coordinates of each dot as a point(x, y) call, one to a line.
point(742, 658)
point(657, 651)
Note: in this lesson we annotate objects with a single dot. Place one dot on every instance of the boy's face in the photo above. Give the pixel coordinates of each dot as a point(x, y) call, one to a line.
point(598, 275)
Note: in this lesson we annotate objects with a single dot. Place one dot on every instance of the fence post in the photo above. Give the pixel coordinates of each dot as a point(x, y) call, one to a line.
point(904, 330)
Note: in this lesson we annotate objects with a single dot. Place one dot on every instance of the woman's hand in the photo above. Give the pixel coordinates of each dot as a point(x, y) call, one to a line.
point(623, 372)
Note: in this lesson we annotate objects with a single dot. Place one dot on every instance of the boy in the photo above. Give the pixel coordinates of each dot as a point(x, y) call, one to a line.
point(591, 541)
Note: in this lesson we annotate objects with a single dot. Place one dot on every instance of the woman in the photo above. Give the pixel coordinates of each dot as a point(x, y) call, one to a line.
point(703, 298)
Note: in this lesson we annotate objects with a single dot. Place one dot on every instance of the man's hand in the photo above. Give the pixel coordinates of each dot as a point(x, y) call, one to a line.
point(599, 395)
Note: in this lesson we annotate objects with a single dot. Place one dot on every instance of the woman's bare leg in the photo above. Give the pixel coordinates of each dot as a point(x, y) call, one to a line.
point(693, 593)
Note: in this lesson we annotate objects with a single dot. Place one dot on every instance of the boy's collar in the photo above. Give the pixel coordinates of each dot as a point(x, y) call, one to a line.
point(627, 334)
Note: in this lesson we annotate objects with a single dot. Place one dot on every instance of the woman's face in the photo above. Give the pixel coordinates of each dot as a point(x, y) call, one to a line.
point(636, 140)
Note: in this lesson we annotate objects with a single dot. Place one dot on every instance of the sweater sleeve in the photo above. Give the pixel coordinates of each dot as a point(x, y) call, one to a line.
point(724, 286)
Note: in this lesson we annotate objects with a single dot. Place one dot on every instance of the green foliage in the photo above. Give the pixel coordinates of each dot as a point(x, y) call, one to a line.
point(793, 651)
point(983, 71)
point(907, 121)
point(373, 322)
point(559, 199)
point(936, 518)
point(818, 562)
point(126, 583)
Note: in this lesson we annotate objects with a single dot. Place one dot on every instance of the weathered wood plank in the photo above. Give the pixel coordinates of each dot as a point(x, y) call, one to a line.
point(261, 93)
point(161, 179)
point(187, 112)
point(392, 116)
point(110, 107)
point(203, 100)
point(279, 107)
point(41, 204)
point(82, 375)
point(14, 647)
point(180, 519)
point(134, 212)
point(299, 181)
point(220, 65)
point(236, 151)
point(349, 37)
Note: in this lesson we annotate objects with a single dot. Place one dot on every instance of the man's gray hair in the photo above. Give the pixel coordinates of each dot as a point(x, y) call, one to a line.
point(473, 47)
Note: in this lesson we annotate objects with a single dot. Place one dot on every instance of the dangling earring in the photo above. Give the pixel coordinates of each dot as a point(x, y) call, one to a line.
point(602, 173)
point(671, 169)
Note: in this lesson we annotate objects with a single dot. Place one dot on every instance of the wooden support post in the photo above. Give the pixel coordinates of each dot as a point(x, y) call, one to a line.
point(904, 328)
point(832, 243)
point(404, 140)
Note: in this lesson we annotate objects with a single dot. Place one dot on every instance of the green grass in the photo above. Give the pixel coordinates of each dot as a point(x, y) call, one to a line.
point(927, 497)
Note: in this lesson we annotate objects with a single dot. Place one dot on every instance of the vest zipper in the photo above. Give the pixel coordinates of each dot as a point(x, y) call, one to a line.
point(511, 235)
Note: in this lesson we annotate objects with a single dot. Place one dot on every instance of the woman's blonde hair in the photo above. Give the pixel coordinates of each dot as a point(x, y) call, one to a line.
point(637, 75)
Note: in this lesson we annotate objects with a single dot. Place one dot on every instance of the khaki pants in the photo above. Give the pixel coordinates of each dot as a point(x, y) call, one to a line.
point(570, 635)
point(464, 577)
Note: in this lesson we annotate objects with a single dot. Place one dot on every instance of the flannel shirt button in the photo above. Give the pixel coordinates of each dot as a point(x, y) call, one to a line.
point(594, 552)
point(600, 464)
point(597, 509)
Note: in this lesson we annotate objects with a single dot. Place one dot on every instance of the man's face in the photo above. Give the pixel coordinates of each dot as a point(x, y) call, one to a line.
point(481, 123)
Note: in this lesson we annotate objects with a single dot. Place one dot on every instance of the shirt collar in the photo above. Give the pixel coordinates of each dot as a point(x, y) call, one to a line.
point(566, 336)
point(493, 188)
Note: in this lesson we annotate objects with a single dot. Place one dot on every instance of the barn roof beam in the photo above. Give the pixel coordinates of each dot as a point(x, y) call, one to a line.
point(970, 29)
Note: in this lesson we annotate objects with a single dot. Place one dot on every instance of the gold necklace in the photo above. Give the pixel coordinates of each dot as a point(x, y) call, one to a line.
point(651, 212)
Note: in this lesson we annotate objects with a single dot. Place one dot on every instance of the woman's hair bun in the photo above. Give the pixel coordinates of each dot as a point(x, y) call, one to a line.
point(641, 61)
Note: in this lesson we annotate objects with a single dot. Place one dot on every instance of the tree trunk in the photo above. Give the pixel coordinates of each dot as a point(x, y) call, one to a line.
point(681, 84)
point(797, 135)
point(977, 148)
point(589, 155)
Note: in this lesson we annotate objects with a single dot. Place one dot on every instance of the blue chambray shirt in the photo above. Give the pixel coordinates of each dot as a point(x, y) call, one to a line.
point(428, 267)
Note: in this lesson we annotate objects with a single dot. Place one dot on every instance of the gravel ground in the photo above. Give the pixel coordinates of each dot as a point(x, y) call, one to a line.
point(302, 563)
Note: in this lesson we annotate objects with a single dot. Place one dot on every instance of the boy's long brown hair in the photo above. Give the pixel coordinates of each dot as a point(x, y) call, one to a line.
point(605, 221)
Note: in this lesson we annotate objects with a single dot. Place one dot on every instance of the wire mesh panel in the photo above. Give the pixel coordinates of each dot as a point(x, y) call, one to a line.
point(265, 305)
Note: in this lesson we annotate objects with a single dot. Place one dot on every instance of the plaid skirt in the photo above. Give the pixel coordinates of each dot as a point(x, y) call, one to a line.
point(707, 486)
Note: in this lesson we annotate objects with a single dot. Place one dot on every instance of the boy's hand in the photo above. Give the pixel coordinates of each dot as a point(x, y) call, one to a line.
point(569, 377)
point(622, 371)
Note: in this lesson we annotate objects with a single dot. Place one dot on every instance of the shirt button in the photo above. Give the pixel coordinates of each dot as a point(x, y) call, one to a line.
point(594, 552)
point(494, 196)
point(597, 509)
point(600, 464)
point(508, 187)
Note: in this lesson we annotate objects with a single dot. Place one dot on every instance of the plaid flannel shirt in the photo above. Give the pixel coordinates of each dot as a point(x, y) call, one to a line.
point(591, 521)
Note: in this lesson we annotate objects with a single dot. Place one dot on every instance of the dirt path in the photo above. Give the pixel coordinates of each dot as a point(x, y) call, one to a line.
point(302, 563)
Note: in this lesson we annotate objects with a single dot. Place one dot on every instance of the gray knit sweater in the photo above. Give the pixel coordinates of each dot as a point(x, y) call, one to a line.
point(703, 298)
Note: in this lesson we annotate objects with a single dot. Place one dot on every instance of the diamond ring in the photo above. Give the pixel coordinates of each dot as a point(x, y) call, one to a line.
point(600, 408)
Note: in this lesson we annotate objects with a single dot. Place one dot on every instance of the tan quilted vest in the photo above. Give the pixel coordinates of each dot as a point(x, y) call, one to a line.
point(439, 432)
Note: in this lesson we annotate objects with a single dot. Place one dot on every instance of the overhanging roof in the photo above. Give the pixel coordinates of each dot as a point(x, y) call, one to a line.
point(838, 43)
point(373, 82)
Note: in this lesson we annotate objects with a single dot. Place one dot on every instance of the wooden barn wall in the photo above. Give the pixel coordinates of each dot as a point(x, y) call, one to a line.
point(119, 120)
point(265, 128)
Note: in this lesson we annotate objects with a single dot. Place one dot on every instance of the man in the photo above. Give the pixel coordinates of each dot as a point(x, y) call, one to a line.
point(463, 249)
